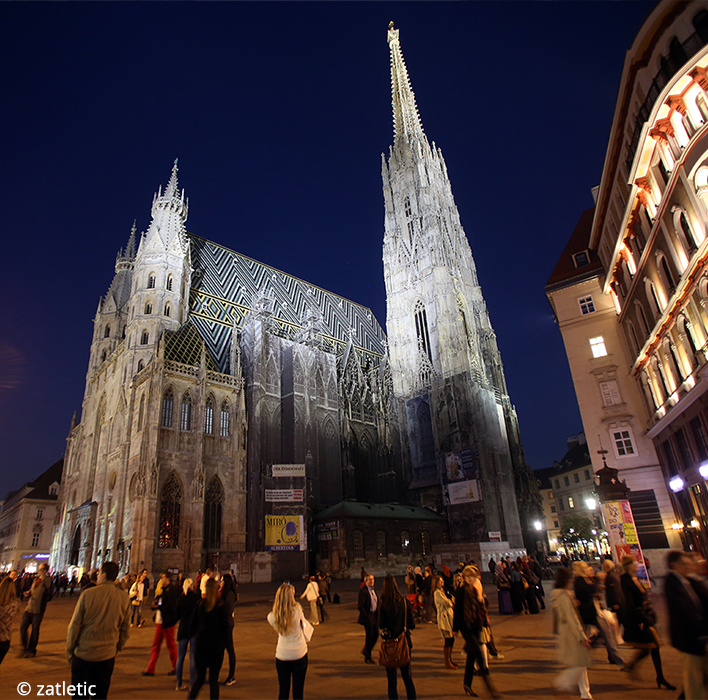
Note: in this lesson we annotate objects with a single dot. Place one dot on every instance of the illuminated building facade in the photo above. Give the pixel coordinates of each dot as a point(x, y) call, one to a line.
point(648, 242)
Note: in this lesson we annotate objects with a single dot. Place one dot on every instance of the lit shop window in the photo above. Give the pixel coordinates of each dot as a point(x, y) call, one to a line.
point(597, 345)
point(571, 503)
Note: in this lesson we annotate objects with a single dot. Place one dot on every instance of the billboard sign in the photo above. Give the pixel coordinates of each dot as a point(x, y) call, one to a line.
point(622, 533)
point(288, 470)
point(463, 492)
point(284, 495)
point(285, 533)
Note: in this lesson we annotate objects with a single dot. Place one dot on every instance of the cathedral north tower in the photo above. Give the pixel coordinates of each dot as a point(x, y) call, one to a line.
point(462, 437)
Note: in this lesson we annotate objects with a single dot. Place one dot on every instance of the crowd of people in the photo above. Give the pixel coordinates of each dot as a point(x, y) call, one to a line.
point(607, 607)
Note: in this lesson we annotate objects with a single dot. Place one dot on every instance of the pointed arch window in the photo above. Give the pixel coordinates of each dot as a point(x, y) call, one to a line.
point(148, 309)
point(141, 412)
point(107, 332)
point(421, 329)
point(185, 422)
point(145, 337)
point(225, 424)
point(407, 207)
point(170, 511)
point(167, 310)
point(141, 365)
point(168, 403)
point(151, 281)
point(209, 415)
point(103, 356)
point(213, 502)
point(169, 284)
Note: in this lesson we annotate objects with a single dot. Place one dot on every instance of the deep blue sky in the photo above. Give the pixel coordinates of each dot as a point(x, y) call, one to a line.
point(278, 114)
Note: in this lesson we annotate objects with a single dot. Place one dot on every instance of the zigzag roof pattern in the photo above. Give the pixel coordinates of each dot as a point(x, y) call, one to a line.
point(225, 283)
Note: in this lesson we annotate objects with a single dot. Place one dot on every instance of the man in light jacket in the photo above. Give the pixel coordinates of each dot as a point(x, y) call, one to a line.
point(34, 613)
point(97, 632)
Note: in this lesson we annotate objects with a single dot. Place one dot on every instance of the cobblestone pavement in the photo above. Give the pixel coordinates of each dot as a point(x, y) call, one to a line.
point(336, 668)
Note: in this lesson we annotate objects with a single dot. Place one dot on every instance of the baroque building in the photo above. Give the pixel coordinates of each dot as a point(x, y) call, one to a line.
point(631, 289)
point(225, 399)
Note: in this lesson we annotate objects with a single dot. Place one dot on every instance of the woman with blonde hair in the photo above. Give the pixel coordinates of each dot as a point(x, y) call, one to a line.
point(294, 632)
point(639, 621)
point(446, 612)
point(186, 604)
point(469, 618)
point(9, 606)
point(210, 628)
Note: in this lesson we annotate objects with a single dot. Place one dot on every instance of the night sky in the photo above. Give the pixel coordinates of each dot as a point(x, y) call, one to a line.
point(278, 114)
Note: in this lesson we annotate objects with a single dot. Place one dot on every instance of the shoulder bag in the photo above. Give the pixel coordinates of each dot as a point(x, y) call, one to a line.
point(394, 652)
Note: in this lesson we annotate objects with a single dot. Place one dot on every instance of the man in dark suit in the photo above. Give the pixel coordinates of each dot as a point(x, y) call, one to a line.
point(368, 616)
point(687, 624)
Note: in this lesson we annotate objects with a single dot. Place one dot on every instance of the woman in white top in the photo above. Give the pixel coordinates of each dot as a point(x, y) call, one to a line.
point(294, 632)
point(311, 594)
point(137, 594)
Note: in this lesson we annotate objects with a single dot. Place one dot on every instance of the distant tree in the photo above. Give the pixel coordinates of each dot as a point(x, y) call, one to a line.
point(575, 529)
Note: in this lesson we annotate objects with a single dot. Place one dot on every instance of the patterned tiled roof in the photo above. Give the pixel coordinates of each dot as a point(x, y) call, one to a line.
point(225, 283)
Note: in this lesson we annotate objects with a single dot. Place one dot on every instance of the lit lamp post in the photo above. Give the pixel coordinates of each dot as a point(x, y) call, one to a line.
point(542, 539)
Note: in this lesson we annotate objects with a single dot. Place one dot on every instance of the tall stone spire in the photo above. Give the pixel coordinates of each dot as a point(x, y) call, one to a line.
point(446, 368)
point(169, 214)
point(406, 120)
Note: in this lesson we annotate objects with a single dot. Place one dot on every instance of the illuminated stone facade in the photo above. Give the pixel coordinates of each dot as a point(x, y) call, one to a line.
point(638, 357)
point(447, 371)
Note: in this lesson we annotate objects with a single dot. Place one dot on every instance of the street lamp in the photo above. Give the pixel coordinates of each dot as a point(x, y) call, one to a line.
point(538, 525)
point(591, 503)
point(703, 470)
point(676, 484)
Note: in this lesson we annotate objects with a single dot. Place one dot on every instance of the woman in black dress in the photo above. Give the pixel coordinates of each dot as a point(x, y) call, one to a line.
point(228, 598)
point(211, 629)
point(395, 618)
point(469, 619)
point(639, 621)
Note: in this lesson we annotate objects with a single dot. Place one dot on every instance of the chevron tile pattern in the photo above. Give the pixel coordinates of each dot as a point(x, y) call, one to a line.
point(225, 283)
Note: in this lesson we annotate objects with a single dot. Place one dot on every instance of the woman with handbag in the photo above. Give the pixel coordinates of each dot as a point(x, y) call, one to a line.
point(469, 619)
point(294, 632)
point(446, 611)
point(518, 590)
point(395, 622)
point(137, 595)
point(639, 621)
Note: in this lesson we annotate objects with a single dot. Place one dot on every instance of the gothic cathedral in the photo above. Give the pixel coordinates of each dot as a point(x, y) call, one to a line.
point(210, 373)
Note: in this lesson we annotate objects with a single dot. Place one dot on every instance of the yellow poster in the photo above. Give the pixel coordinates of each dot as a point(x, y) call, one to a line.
point(283, 533)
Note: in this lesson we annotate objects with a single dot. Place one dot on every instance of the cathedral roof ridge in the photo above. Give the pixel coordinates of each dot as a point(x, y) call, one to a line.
point(281, 272)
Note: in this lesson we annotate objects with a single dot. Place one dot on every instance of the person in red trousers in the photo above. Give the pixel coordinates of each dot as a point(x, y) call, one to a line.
point(165, 621)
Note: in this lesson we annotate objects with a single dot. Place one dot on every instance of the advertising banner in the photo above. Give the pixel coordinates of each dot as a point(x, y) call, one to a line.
point(284, 495)
point(285, 533)
point(622, 534)
point(463, 492)
point(288, 470)
point(459, 466)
